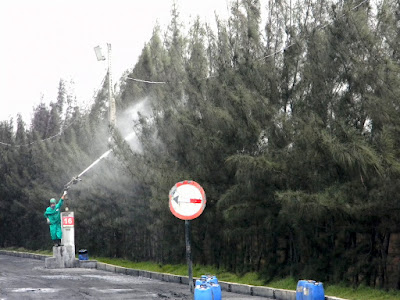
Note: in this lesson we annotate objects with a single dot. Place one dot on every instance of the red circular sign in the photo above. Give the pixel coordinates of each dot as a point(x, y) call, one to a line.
point(187, 200)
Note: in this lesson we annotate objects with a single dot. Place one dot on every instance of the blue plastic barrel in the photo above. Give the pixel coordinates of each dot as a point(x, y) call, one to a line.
point(216, 291)
point(300, 289)
point(83, 254)
point(212, 278)
point(202, 280)
point(203, 292)
point(307, 290)
point(314, 291)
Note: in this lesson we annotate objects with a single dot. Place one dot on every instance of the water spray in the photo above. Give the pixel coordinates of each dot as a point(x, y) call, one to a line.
point(77, 178)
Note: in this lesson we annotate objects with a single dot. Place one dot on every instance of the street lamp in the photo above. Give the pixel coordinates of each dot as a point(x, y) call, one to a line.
point(99, 53)
point(111, 101)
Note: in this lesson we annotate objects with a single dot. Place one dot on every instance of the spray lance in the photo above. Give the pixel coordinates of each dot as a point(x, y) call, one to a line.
point(77, 178)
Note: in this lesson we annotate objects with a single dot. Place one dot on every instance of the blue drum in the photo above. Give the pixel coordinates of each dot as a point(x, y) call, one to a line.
point(314, 291)
point(216, 291)
point(203, 292)
point(212, 278)
point(202, 280)
point(300, 289)
point(83, 254)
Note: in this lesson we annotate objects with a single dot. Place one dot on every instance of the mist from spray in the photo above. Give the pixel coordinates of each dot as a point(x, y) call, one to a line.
point(126, 124)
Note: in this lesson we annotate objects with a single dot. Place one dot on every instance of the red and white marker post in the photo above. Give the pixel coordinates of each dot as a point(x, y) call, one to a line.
point(187, 201)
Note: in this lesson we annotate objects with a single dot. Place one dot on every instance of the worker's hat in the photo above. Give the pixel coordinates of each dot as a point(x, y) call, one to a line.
point(52, 200)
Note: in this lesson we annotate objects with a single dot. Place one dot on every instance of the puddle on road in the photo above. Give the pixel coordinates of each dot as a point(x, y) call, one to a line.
point(118, 279)
point(34, 290)
point(69, 270)
point(112, 291)
point(125, 291)
point(68, 277)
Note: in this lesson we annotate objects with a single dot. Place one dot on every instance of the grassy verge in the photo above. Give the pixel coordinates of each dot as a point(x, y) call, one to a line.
point(342, 291)
point(181, 269)
point(337, 290)
point(361, 293)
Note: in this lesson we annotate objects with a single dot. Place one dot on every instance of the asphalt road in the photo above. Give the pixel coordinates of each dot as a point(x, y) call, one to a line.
point(23, 278)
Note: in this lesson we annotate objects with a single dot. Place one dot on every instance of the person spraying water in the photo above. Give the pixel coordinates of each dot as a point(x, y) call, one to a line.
point(52, 214)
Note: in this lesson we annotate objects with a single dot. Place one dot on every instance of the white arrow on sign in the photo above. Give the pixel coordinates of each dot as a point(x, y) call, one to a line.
point(179, 200)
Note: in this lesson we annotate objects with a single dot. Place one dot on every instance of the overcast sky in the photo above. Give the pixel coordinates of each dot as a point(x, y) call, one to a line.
point(45, 40)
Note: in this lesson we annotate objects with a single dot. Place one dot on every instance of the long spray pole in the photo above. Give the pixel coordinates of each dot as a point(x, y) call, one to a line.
point(104, 155)
point(77, 178)
point(95, 162)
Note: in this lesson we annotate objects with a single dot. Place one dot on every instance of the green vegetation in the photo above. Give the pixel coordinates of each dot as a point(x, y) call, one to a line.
point(361, 293)
point(341, 291)
point(181, 269)
point(298, 150)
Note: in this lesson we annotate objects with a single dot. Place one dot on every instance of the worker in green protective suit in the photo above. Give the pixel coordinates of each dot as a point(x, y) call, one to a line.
point(52, 214)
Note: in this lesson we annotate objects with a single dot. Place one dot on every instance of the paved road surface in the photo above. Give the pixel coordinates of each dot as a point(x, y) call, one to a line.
point(23, 278)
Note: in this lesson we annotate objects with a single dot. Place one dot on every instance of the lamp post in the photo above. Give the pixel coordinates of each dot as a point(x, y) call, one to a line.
point(111, 101)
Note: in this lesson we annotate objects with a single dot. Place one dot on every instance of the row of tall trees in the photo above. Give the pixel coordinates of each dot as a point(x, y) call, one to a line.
point(290, 122)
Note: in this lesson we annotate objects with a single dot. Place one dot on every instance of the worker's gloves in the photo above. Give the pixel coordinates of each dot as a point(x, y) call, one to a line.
point(64, 196)
point(48, 221)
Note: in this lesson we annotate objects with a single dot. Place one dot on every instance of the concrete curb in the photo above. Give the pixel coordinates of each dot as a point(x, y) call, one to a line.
point(25, 254)
point(261, 291)
point(244, 289)
point(87, 264)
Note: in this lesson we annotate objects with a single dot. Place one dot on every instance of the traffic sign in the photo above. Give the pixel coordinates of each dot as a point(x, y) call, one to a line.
point(187, 200)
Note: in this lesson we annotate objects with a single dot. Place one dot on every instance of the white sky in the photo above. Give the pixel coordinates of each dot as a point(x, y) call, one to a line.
point(42, 41)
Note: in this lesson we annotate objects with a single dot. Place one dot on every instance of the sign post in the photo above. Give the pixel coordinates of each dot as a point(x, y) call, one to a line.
point(187, 201)
point(189, 254)
point(68, 237)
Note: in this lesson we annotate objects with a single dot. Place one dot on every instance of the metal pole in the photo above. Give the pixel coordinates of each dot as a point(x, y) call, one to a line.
point(189, 254)
point(111, 100)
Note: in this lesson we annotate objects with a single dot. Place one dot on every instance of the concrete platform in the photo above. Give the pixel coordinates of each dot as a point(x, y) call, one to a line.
point(63, 257)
